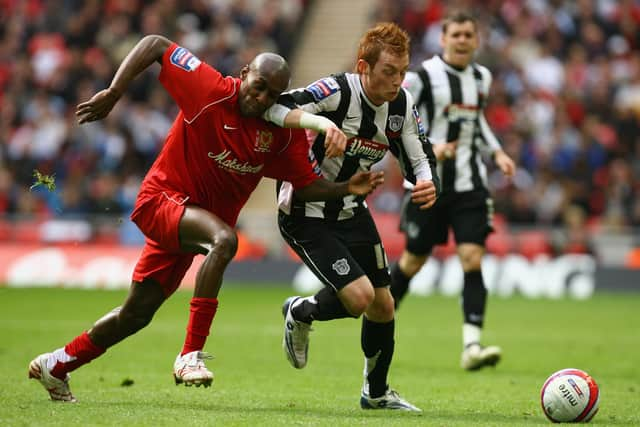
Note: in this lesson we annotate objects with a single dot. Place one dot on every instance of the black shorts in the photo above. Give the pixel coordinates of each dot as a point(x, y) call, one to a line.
point(338, 252)
point(470, 214)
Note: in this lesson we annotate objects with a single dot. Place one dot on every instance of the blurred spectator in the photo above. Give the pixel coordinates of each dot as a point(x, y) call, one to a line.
point(573, 236)
point(565, 101)
point(54, 55)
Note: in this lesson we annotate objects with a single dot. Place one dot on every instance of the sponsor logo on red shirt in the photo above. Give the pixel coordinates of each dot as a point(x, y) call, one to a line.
point(225, 161)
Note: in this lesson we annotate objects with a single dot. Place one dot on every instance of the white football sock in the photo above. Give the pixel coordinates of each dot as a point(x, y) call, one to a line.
point(470, 334)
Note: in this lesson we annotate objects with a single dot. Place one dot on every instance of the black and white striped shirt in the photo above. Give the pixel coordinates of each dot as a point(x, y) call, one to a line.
point(451, 102)
point(371, 130)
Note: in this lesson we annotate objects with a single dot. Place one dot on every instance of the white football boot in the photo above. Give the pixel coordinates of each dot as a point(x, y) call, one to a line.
point(389, 400)
point(190, 369)
point(58, 389)
point(475, 356)
point(295, 341)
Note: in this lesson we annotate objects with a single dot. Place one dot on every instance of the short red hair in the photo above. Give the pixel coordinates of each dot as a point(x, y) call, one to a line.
point(384, 36)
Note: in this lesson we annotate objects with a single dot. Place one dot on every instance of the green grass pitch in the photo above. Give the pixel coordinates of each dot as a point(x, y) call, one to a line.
point(255, 386)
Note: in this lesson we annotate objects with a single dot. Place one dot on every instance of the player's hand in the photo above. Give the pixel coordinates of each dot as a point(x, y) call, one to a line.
point(504, 162)
point(445, 151)
point(335, 142)
point(98, 107)
point(424, 194)
point(363, 183)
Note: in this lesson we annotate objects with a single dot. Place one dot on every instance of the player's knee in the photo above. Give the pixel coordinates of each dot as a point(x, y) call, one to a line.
point(410, 264)
point(411, 267)
point(382, 308)
point(471, 262)
point(225, 244)
point(359, 305)
point(471, 257)
point(358, 299)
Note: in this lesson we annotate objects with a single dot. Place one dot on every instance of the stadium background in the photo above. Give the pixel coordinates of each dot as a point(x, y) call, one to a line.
point(565, 103)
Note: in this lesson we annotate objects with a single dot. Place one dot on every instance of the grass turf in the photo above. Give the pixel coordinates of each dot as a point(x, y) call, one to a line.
point(254, 384)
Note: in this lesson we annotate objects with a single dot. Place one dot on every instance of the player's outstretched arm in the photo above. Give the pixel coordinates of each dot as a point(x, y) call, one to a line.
point(335, 141)
point(147, 51)
point(360, 184)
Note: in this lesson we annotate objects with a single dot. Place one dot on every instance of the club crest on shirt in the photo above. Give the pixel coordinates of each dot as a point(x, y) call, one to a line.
point(264, 139)
point(184, 59)
point(395, 122)
point(341, 267)
point(322, 88)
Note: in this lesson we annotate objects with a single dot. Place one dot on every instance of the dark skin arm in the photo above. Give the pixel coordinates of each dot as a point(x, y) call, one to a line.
point(360, 184)
point(148, 50)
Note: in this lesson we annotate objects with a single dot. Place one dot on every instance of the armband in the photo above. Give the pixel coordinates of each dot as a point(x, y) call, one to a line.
point(315, 122)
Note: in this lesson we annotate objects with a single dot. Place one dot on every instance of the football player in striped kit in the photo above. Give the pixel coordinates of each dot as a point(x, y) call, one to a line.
point(338, 240)
point(451, 91)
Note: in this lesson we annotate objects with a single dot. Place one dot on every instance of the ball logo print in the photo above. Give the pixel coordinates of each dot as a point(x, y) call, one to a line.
point(570, 395)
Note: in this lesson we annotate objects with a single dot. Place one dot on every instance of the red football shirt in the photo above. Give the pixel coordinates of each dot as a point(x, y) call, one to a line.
point(212, 154)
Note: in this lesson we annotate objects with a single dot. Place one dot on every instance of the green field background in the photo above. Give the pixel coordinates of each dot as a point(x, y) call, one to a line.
point(255, 386)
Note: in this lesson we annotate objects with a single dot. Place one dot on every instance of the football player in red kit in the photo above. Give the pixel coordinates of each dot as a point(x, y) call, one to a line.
point(216, 152)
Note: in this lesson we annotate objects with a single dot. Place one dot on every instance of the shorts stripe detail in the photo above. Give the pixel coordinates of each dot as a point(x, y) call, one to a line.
point(381, 259)
point(490, 211)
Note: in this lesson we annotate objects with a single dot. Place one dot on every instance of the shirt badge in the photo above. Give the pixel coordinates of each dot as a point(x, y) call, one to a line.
point(395, 122)
point(264, 139)
point(184, 59)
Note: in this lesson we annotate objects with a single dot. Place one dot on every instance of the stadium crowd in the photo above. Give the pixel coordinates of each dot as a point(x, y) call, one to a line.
point(565, 99)
point(56, 54)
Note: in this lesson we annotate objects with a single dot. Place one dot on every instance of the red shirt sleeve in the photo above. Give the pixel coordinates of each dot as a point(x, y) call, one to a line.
point(295, 163)
point(193, 84)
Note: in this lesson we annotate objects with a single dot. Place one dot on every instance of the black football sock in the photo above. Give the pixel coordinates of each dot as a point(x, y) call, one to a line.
point(474, 298)
point(324, 305)
point(377, 344)
point(399, 284)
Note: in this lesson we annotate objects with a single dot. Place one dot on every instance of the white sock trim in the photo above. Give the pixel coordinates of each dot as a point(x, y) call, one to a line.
point(470, 334)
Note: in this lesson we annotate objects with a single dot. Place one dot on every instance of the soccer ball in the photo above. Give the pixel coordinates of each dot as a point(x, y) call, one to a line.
point(570, 395)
